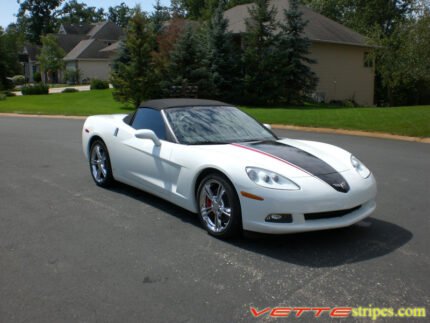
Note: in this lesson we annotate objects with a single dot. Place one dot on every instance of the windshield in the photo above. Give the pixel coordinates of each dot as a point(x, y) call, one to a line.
point(215, 125)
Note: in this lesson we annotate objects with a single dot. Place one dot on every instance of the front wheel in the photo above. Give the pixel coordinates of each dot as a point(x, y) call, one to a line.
point(100, 166)
point(219, 206)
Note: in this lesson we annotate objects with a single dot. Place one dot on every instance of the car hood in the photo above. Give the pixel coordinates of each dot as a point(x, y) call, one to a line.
point(291, 158)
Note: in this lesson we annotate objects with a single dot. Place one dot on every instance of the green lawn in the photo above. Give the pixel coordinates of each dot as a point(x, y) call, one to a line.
point(71, 104)
point(409, 121)
point(406, 121)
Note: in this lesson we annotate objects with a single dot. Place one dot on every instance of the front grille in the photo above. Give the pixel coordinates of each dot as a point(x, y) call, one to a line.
point(329, 215)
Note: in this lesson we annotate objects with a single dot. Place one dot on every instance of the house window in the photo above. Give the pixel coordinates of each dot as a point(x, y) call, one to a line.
point(368, 60)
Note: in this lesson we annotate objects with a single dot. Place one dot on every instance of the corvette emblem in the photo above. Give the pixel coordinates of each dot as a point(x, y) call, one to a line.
point(342, 185)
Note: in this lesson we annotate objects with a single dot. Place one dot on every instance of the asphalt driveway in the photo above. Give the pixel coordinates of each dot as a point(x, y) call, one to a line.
point(70, 251)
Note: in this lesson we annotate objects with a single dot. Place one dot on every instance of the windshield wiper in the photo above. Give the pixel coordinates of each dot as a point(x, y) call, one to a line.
point(255, 140)
point(208, 142)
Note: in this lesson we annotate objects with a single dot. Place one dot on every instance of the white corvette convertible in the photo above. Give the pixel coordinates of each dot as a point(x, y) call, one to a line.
point(212, 159)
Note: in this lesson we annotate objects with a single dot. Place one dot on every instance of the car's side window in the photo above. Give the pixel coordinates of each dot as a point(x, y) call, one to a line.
point(151, 119)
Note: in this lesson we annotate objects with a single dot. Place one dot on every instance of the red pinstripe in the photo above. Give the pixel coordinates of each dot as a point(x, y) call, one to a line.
point(273, 156)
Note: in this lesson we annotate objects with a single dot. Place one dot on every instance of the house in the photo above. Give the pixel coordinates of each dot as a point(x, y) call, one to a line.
point(28, 59)
point(343, 63)
point(89, 48)
point(94, 53)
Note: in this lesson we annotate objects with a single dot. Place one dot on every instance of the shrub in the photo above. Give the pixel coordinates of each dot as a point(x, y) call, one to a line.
point(99, 84)
point(69, 90)
point(9, 93)
point(72, 76)
point(18, 79)
point(36, 89)
point(7, 84)
point(350, 103)
point(37, 77)
point(344, 103)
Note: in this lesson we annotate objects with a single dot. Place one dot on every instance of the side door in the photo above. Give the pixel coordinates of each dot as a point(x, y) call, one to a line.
point(143, 163)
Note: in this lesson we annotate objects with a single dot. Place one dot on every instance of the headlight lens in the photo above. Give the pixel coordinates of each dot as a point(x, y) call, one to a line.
point(270, 179)
point(359, 167)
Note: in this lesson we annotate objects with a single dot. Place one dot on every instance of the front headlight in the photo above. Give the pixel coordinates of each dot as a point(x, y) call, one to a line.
point(270, 179)
point(359, 167)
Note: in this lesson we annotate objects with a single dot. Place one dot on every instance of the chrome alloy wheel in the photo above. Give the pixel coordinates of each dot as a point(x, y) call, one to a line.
point(215, 206)
point(99, 163)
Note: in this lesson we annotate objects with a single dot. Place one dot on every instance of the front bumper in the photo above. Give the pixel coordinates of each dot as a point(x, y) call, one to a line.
point(315, 196)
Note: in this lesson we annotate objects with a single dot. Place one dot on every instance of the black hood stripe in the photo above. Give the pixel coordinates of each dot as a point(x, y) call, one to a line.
point(301, 160)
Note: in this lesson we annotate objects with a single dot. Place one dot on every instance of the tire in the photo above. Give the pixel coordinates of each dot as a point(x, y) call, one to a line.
point(219, 207)
point(100, 166)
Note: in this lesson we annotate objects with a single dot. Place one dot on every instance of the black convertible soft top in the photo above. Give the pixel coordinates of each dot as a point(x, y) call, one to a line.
point(180, 102)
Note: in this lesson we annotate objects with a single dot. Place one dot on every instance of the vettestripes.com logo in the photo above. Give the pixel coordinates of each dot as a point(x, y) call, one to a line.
point(339, 312)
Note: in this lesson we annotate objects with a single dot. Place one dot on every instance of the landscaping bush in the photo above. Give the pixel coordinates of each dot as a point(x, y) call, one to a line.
point(36, 89)
point(69, 90)
point(9, 93)
point(7, 84)
point(99, 84)
point(37, 77)
point(344, 103)
point(18, 79)
point(72, 76)
point(350, 103)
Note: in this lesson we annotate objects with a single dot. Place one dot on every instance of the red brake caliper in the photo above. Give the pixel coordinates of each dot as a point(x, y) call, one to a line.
point(208, 202)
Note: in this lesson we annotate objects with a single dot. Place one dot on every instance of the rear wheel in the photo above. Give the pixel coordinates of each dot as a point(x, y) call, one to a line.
point(100, 166)
point(219, 207)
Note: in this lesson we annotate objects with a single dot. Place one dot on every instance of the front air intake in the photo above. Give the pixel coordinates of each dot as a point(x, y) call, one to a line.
point(329, 215)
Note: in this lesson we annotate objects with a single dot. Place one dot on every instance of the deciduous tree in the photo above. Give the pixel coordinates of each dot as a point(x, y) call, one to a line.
point(10, 44)
point(51, 57)
point(74, 12)
point(403, 63)
point(38, 17)
point(120, 14)
point(365, 16)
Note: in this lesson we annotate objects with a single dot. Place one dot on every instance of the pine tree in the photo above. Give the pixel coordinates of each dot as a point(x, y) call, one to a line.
point(188, 65)
point(223, 58)
point(260, 79)
point(298, 80)
point(159, 16)
point(135, 76)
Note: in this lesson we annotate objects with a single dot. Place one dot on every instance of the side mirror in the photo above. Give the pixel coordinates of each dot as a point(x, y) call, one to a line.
point(268, 126)
point(148, 134)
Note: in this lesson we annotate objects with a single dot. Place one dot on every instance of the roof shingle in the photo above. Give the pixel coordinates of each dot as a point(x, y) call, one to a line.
point(318, 29)
point(75, 29)
point(88, 49)
point(106, 30)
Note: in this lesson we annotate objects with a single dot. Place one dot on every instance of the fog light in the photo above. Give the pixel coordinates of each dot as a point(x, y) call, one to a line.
point(279, 218)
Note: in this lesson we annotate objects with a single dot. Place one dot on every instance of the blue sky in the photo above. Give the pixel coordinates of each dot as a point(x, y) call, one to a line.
point(9, 8)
